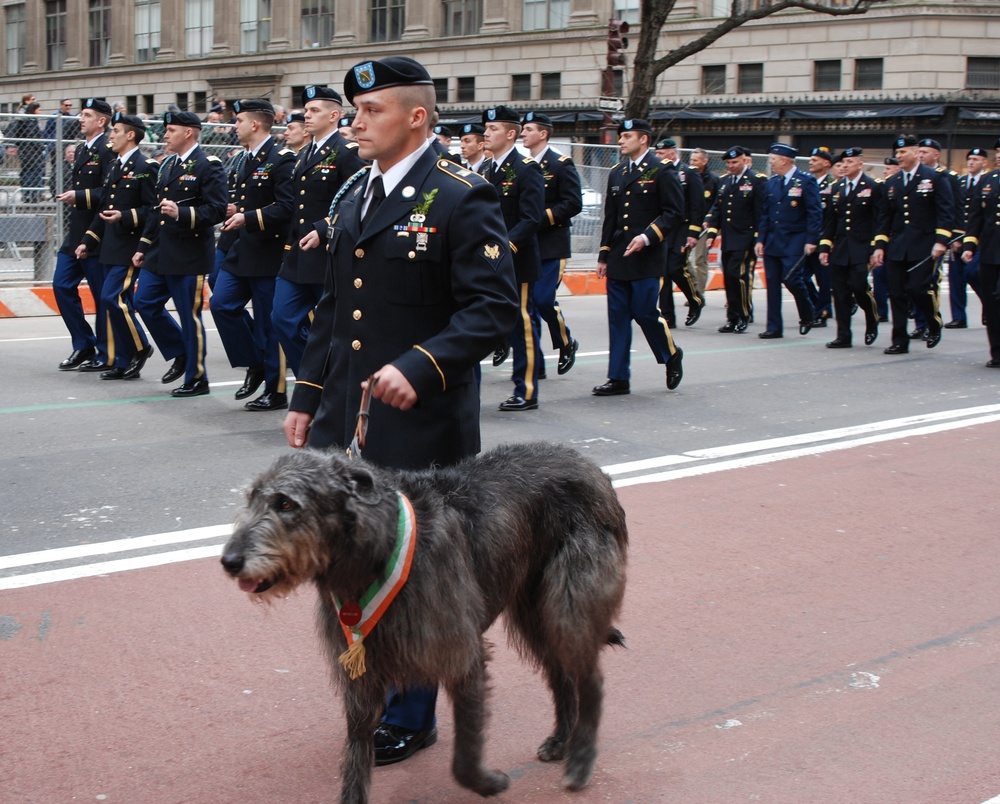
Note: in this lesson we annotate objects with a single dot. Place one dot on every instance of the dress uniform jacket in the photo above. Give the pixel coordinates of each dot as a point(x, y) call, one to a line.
point(735, 215)
point(316, 180)
point(968, 194)
point(444, 153)
point(90, 171)
point(983, 231)
point(710, 183)
point(563, 202)
point(186, 246)
point(132, 191)
point(826, 189)
point(264, 196)
point(792, 215)
point(851, 221)
point(694, 202)
point(917, 216)
point(519, 184)
point(427, 285)
point(646, 201)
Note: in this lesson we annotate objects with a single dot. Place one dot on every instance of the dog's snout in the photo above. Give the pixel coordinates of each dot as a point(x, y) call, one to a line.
point(233, 562)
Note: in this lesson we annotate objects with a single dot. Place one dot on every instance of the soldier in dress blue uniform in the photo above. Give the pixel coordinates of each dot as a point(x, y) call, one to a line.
point(643, 210)
point(735, 216)
point(114, 235)
point(960, 275)
point(473, 146)
point(982, 240)
point(521, 189)
point(260, 224)
point(563, 202)
point(791, 224)
point(91, 352)
point(322, 167)
point(851, 220)
point(177, 251)
point(818, 277)
point(920, 215)
point(415, 297)
point(442, 143)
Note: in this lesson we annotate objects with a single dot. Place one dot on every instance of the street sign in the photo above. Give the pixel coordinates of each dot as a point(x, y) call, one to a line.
point(611, 104)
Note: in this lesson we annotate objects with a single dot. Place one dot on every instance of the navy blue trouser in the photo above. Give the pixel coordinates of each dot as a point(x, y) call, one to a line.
point(547, 309)
point(291, 316)
point(961, 276)
point(635, 300)
point(247, 345)
point(69, 273)
point(188, 339)
point(117, 300)
point(775, 268)
point(523, 346)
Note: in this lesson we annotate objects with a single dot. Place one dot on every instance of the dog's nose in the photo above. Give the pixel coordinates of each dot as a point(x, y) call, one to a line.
point(233, 562)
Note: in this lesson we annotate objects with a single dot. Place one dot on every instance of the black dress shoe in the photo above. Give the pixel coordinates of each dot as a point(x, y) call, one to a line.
point(253, 381)
point(567, 356)
point(268, 401)
point(837, 343)
point(518, 403)
point(919, 332)
point(77, 359)
point(957, 324)
point(769, 335)
point(501, 354)
point(675, 369)
point(805, 326)
point(729, 326)
point(742, 324)
point(870, 336)
point(818, 323)
point(94, 365)
point(933, 339)
point(196, 388)
point(113, 373)
point(896, 349)
point(883, 319)
point(993, 364)
point(176, 370)
point(611, 388)
point(137, 362)
point(854, 308)
point(695, 314)
point(394, 743)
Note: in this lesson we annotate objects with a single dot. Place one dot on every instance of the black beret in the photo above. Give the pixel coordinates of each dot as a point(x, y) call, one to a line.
point(129, 120)
point(253, 105)
point(929, 143)
point(473, 128)
point(905, 142)
point(852, 152)
point(891, 160)
point(395, 71)
point(822, 153)
point(443, 130)
point(320, 93)
point(345, 122)
point(735, 152)
point(98, 105)
point(976, 152)
point(538, 119)
point(501, 114)
point(216, 108)
point(666, 142)
point(296, 117)
point(635, 124)
point(997, 143)
point(189, 119)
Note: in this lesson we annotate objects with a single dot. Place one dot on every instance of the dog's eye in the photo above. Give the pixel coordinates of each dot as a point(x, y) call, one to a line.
point(284, 504)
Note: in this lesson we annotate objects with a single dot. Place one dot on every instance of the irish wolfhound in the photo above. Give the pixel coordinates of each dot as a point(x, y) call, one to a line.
point(534, 531)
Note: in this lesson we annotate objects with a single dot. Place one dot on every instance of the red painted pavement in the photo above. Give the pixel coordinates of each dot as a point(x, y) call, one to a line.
point(844, 610)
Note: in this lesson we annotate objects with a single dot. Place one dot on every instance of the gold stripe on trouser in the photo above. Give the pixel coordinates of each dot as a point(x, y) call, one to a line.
point(109, 338)
point(934, 291)
point(129, 281)
point(663, 321)
point(312, 315)
point(199, 327)
point(746, 282)
point(563, 334)
point(282, 371)
point(692, 290)
point(529, 345)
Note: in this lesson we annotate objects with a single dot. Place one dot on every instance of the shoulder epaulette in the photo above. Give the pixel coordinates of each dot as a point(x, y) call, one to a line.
point(213, 158)
point(565, 158)
point(760, 175)
point(344, 187)
point(527, 160)
point(456, 171)
point(351, 144)
point(878, 181)
point(284, 151)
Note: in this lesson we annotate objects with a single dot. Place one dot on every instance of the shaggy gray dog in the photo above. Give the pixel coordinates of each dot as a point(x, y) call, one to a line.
point(534, 531)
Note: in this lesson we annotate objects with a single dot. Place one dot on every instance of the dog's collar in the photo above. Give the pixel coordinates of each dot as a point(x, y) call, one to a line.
point(358, 618)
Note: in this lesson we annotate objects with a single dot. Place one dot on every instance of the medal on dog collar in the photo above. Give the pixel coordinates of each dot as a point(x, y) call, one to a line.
point(350, 614)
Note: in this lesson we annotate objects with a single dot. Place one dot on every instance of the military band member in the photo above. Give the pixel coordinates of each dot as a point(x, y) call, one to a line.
point(960, 274)
point(260, 224)
point(177, 251)
point(735, 216)
point(685, 238)
point(473, 146)
point(791, 223)
point(643, 209)
point(826, 169)
point(521, 189)
point(920, 215)
point(128, 197)
point(698, 256)
point(91, 351)
point(982, 240)
point(322, 167)
point(563, 202)
point(851, 221)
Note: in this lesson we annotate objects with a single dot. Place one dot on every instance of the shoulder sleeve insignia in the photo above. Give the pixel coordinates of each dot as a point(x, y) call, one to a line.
point(492, 252)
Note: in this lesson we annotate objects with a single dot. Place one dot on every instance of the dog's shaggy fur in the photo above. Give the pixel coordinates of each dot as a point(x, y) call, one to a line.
point(534, 531)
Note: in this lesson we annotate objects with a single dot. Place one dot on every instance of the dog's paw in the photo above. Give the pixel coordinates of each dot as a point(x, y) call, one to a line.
point(579, 770)
point(552, 750)
point(485, 782)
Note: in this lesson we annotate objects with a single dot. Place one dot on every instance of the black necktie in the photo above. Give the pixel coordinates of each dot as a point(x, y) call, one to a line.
point(312, 151)
point(378, 195)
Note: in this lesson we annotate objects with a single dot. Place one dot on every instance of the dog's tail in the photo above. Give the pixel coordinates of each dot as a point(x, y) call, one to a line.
point(617, 638)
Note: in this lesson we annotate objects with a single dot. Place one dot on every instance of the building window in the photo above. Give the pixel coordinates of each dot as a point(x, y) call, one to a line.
point(440, 90)
point(148, 104)
point(15, 38)
point(317, 23)
point(545, 14)
point(198, 33)
point(721, 8)
point(388, 18)
point(520, 87)
point(982, 73)
point(466, 89)
point(147, 30)
point(713, 79)
point(551, 86)
point(826, 76)
point(200, 102)
point(868, 73)
point(99, 26)
point(255, 25)
point(462, 17)
point(55, 34)
point(750, 79)
point(181, 101)
point(627, 11)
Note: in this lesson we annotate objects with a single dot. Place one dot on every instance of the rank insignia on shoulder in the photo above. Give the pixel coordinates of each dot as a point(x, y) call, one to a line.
point(564, 157)
point(213, 158)
point(492, 252)
point(351, 145)
point(284, 151)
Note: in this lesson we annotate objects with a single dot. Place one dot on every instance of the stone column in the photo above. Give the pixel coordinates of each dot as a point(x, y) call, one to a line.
point(418, 19)
point(496, 17)
point(171, 30)
point(584, 13)
point(224, 12)
point(348, 23)
point(122, 34)
point(77, 27)
point(284, 33)
point(34, 38)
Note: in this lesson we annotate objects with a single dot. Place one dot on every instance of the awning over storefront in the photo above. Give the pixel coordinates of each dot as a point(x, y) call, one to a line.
point(979, 114)
point(863, 112)
point(694, 113)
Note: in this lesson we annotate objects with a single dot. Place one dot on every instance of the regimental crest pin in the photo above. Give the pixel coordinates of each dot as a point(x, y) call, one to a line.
point(310, 92)
point(491, 114)
point(627, 125)
point(365, 75)
point(408, 192)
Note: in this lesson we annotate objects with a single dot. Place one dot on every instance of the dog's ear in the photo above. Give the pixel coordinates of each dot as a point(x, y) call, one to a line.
point(361, 483)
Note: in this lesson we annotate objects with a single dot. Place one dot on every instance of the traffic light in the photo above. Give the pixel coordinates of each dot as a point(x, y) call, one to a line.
point(617, 42)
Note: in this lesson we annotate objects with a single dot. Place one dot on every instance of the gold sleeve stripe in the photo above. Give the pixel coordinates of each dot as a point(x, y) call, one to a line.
point(192, 216)
point(970, 239)
point(87, 196)
point(444, 383)
point(146, 241)
point(135, 217)
point(310, 384)
point(826, 243)
point(552, 218)
point(260, 219)
point(656, 229)
point(93, 235)
point(943, 232)
point(512, 247)
point(881, 238)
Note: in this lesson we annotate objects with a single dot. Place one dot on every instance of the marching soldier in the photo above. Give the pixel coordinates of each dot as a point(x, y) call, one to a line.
point(473, 146)
point(643, 209)
point(960, 274)
point(563, 201)
point(823, 167)
point(177, 250)
point(260, 226)
point(698, 256)
point(295, 135)
point(114, 235)
point(735, 216)
point(982, 240)
point(920, 215)
point(851, 221)
point(442, 144)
